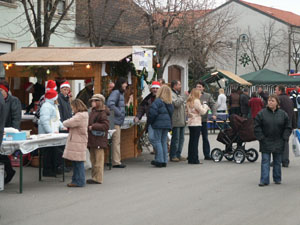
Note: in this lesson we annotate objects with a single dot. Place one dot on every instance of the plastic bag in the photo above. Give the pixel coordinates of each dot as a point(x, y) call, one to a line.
point(296, 143)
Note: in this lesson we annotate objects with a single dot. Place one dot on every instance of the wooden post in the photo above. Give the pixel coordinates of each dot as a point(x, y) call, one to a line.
point(97, 67)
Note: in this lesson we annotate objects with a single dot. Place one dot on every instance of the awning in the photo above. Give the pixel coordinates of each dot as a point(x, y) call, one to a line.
point(220, 74)
point(41, 54)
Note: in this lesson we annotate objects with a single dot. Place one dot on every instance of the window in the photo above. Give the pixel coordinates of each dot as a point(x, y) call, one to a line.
point(61, 7)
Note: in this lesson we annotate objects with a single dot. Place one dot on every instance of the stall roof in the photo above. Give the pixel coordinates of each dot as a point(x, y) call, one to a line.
point(81, 54)
point(266, 76)
point(219, 74)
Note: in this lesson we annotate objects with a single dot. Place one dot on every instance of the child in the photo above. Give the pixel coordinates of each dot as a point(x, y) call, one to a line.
point(97, 141)
point(77, 142)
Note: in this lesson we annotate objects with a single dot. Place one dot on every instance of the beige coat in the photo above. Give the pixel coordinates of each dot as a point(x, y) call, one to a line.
point(78, 137)
point(178, 118)
point(195, 113)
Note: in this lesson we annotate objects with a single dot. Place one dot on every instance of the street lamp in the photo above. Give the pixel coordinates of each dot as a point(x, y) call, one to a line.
point(241, 39)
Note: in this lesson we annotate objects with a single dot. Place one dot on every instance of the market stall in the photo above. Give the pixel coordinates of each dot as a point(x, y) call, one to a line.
point(101, 64)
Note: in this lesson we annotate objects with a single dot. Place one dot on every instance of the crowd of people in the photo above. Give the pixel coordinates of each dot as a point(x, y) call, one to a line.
point(167, 110)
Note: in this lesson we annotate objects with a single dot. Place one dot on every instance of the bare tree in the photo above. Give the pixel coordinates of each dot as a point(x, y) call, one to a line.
point(43, 18)
point(262, 45)
point(295, 54)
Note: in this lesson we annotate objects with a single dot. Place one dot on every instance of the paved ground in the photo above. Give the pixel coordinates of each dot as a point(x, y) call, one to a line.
point(211, 193)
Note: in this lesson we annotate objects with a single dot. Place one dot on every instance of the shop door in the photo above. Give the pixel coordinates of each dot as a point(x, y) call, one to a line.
point(174, 73)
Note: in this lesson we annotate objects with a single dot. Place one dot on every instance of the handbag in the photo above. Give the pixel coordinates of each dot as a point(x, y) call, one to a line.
point(296, 143)
point(98, 133)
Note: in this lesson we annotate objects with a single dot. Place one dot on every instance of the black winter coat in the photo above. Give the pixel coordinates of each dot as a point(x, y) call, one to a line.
point(272, 129)
point(2, 105)
point(160, 115)
point(287, 105)
point(12, 112)
point(64, 107)
point(244, 100)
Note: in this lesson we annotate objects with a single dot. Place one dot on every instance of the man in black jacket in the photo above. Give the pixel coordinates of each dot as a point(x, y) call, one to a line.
point(10, 117)
point(244, 99)
point(287, 105)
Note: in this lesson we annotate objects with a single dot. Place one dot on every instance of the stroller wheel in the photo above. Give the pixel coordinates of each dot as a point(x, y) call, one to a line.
point(228, 156)
point(239, 156)
point(217, 155)
point(251, 155)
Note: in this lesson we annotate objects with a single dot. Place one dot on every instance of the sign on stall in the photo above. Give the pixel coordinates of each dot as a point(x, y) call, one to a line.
point(142, 58)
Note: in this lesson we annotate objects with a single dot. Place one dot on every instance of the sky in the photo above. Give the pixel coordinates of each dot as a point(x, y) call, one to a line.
point(288, 5)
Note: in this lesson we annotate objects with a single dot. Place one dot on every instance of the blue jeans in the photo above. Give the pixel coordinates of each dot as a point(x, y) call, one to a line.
point(298, 124)
point(206, 146)
point(265, 167)
point(78, 177)
point(160, 145)
point(177, 142)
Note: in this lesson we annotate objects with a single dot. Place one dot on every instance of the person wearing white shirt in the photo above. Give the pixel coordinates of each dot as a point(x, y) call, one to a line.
point(221, 103)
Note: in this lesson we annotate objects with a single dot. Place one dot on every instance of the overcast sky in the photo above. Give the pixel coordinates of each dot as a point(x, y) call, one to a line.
point(288, 5)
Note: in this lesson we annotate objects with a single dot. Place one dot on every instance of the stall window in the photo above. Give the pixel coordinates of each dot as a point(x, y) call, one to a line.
point(61, 7)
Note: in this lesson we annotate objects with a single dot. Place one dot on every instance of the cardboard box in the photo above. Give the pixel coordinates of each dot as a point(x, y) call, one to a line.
point(21, 136)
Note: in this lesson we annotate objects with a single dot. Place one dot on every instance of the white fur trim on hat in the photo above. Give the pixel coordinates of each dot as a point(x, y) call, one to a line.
point(65, 84)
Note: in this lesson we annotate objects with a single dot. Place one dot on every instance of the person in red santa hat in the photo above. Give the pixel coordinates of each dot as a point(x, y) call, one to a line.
point(144, 109)
point(10, 117)
point(87, 93)
point(48, 123)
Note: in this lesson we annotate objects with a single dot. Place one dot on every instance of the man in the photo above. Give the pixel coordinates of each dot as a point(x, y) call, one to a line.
point(10, 117)
point(37, 90)
point(86, 93)
point(287, 105)
point(294, 96)
point(206, 98)
point(145, 106)
point(244, 99)
point(178, 123)
point(161, 81)
point(263, 94)
point(65, 112)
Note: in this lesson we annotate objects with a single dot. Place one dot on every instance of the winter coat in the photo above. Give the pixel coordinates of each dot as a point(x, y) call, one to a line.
point(221, 103)
point(244, 99)
point(234, 100)
point(178, 118)
point(12, 112)
point(287, 105)
point(264, 95)
point(194, 113)
point(272, 130)
point(293, 96)
point(85, 95)
point(145, 106)
point(160, 115)
point(116, 102)
point(64, 106)
point(255, 104)
point(76, 146)
point(98, 119)
point(206, 97)
point(2, 105)
point(49, 121)
point(39, 91)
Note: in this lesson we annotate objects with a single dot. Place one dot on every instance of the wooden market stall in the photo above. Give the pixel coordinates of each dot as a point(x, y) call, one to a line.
point(72, 64)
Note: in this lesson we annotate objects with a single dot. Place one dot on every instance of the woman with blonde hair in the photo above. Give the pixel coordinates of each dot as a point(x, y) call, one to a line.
point(194, 111)
point(77, 141)
point(160, 119)
point(221, 102)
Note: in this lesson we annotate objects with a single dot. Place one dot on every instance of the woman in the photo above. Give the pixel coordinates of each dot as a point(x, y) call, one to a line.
point(272, 129)
point(77, 142)
point(160, 119)
point(221, 103)
point(116, 103)
point(97, 137)
point(234, 102)
point(255, 104)
point(49, 122)
point(194, 111)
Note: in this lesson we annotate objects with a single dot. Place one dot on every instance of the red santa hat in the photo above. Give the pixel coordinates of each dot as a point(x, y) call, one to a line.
point(65, 84)
point(51, 94)
point(4, 88)
point(88, 82)
point(155, 84)
point(51, 84)
point(28, 86)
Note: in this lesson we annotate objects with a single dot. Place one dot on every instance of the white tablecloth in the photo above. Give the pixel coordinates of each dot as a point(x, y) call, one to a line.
point(37, 141)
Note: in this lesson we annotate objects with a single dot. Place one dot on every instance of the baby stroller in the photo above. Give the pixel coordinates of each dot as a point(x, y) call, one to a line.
point(234, 138)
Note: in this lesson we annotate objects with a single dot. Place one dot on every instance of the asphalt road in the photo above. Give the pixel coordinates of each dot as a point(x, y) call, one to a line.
point(211, 194)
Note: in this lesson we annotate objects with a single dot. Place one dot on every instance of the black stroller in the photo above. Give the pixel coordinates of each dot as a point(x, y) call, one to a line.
point(234, 138)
